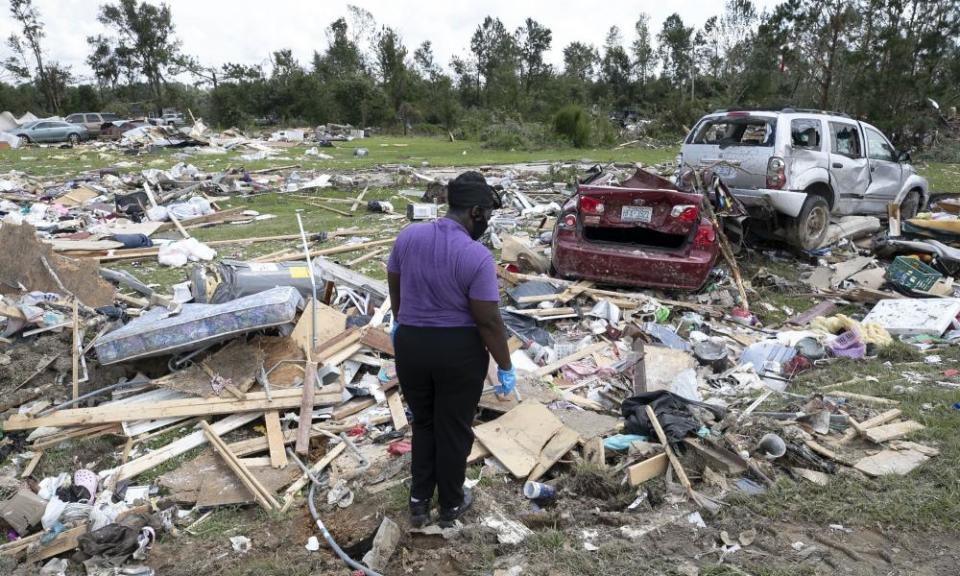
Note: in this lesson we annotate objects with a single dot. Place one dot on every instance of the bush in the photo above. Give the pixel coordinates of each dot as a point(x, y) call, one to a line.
point(511, 134)
point(573, 124)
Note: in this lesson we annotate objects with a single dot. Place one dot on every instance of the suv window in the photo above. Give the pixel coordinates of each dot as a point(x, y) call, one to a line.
point(750, 131)
point(846, 140)
point(805, 134)
point(109, 117)
point(878, 148)
point(93, 118)
point(74, 118)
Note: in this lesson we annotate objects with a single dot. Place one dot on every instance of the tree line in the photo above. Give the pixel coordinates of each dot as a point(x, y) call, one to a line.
point(887, 61)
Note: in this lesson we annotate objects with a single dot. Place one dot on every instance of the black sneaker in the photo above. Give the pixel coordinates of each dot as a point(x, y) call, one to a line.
point(419, 513)
point(448, 516)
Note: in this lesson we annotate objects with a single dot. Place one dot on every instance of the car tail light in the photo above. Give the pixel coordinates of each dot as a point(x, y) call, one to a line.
point(705, 236)
point(685, 212)
point(776, 176)
point(590, 205)
point(569, 221)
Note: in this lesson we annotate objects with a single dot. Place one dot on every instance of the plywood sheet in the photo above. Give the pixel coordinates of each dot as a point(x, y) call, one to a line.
point(330, 322)
point(517, 438)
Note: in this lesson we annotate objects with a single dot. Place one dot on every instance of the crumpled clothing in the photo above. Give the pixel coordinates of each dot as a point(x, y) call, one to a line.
point(869, 333)
point(673, 411)
point(115, 543)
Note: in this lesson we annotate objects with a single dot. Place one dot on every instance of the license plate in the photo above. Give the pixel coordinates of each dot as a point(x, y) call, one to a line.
point(636, 213)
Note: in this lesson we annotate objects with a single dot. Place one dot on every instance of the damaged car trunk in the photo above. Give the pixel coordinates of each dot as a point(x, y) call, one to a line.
point(644, 232)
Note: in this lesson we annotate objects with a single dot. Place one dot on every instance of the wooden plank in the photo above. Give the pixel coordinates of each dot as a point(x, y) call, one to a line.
point(306, 407)
point(64, 542)
point(260, 494)
point(9, 311)
point(648, 469)
point(333, 250)
point(330, 323)
point(881, 418)
point(255, 402)
point(76, 349)
point(595, 453)
point(87, 431)
point(893, 431)
point(278, 454)
point(175, 448)
point(377, 339)
point(372, 254)
point(32, 464)
point(330, 209)
point(356, 203)
point(863, 398)
point(208, 218)
point(397, 413)
point(257, 462)
point(352, 406)
point(824, 451)
point(583, 353)
point(561, 443)
point(291, 492)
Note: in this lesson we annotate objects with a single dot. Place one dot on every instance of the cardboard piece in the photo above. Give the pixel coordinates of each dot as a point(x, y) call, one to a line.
point(21, 263)
point(23, 510)
point(898, 462)
point(207, 481)
point(237, 362)
point(330, 323)
point(517, 438)
point(561, 443)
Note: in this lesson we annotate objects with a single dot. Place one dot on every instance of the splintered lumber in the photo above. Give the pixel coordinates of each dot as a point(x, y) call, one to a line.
point(85, 432)
point(372, 254)
point(356, 203)
point(317, 468)
point(353, 406)
point(561, 443)
point(260, 494)
point(177, 447)
point(824, 451)
point(306, 408)
point(64, 542)
point(76, 349)
point(583, 353)
point(893, 431)
point(181, 408)
point(397, 412)
point(32, 464)
point(871, 423)
point(331, 209)
point(330, 251)
point(650, 468)
point(595, 453)
point(216, 217)
point(864, 398)
point(278, 454)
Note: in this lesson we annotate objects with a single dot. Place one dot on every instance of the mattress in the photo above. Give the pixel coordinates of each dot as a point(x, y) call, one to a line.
point(197, 325)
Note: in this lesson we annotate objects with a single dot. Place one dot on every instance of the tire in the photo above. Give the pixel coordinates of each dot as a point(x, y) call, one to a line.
point(910, 205)
point(74, 139)
point(808, 230)
point(24, 140)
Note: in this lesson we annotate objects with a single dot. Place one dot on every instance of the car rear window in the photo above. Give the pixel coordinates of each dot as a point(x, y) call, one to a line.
point(736, 131)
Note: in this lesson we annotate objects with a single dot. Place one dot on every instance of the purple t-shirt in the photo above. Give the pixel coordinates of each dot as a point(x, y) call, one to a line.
point(441, 269)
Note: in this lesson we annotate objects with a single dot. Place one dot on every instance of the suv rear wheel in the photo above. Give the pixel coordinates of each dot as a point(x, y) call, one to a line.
point(808, 230)
point(73, 138)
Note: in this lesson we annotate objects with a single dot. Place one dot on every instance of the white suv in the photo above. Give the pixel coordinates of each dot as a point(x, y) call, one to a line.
point(792, 168)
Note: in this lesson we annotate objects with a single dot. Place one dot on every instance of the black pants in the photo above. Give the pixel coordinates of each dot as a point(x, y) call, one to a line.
point(441, 372)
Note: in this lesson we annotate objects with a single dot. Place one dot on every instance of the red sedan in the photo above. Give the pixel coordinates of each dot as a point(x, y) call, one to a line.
point(645, 232)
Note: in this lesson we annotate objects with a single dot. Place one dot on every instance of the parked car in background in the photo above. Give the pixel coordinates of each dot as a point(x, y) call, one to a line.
point(645, 232)
point(51, 131)
point(92, 121)
point(793, 169)
point(169, 119)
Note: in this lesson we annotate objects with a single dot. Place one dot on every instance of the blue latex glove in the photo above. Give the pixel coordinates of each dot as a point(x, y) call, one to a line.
point(508, 381)
point(393, 334)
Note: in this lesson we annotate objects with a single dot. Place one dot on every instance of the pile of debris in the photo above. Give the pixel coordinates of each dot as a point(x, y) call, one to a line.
point(247, 358)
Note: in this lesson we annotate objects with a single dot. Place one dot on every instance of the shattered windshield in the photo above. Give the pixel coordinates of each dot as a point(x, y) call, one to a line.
point(745, 131)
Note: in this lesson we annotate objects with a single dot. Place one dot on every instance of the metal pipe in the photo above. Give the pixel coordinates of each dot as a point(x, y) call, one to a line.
point(313, 287)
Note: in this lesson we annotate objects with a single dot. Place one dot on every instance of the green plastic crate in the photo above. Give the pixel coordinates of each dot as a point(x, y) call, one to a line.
point(911, 274)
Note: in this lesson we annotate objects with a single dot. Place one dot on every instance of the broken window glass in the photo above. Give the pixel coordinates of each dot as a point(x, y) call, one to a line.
point(737, 132)
point(878, 148)
point(805, 134)
point(846, 140)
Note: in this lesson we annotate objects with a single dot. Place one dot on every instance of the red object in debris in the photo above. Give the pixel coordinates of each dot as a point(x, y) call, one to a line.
point(744, 317)
point(358, 430)
point(512, 268)
point(399, 447)
point(951, 372)
point(796, 365)
point(646, 232)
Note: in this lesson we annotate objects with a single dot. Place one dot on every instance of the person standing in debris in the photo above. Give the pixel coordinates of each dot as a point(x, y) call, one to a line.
point(445, 301)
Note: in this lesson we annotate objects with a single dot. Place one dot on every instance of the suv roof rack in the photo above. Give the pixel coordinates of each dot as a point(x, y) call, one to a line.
point(788, 109)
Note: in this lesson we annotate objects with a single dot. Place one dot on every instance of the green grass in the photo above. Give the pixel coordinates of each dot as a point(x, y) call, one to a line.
point(926, 499)
point(413, 151)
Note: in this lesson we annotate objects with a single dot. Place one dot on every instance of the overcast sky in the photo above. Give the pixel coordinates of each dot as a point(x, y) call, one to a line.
point(247, 31)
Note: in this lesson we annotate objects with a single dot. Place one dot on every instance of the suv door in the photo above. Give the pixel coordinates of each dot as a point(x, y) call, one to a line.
point(885, 171)
point(92, 122)
point(849, 169)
